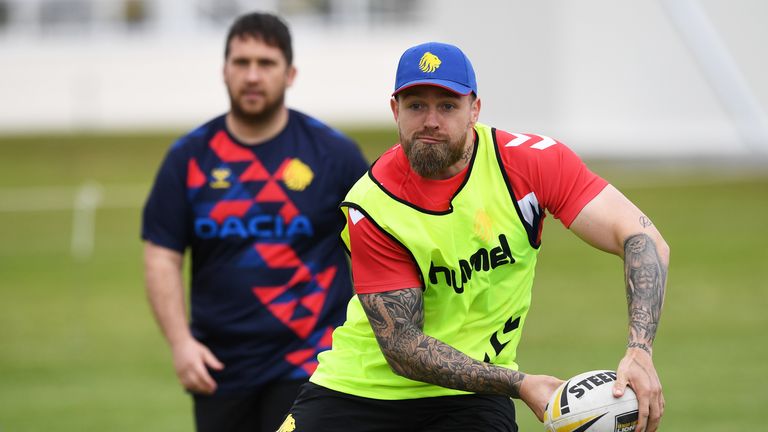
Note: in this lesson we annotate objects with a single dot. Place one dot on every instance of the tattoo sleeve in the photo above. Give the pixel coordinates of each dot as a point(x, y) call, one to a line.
point(646, 276)
point(397, 319)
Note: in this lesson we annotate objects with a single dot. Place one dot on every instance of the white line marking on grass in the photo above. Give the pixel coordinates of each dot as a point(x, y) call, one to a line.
point(83, 201)
point(56, 198)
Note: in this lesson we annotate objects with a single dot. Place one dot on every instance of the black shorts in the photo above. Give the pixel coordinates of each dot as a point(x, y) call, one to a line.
point(321, 409)
point(260, 412)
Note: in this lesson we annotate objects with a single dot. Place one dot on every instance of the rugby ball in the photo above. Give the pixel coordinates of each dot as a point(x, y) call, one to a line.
point(585, 403)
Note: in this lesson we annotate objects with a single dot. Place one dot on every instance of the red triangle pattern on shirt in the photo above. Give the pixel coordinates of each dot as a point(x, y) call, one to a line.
point(325, 277)
point(195, 176)
point(271, 192)
point(298, 357)
point(255, 172)
point(288, 211)
point(281, 169)
point(284, 311)
point(302, 326)
point(314, 302)
point(225, 209)
point(267, 294)
point(305, 358)
point(228, 151)
point(302, 274)
point(278, 255)
point(327, 339)
point(310, 367)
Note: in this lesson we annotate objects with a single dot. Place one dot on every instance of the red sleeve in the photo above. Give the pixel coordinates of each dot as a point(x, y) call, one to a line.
point(379, 263)
point(557, 177)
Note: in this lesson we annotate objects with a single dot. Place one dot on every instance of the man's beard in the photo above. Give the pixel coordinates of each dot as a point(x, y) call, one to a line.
point(268, 112)
point(429, 159)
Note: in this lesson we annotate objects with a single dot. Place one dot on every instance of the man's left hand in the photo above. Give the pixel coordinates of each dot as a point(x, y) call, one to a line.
point(636, 370)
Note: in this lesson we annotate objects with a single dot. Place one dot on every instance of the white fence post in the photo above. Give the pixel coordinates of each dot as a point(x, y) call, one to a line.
point(87, 200)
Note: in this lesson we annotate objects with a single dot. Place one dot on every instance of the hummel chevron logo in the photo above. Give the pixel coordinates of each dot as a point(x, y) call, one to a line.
point(496, 343)
point(355, 215)
point(543, 141)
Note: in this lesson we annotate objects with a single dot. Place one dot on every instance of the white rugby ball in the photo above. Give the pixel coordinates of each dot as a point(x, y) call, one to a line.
point(585, 403)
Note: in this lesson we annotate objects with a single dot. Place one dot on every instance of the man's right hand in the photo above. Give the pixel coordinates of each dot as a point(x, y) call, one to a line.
point(192, 360)
point(535, 391)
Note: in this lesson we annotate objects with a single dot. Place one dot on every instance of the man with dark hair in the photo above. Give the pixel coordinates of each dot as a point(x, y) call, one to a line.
point(265, 27)
point(444, 232)
point(253, 195)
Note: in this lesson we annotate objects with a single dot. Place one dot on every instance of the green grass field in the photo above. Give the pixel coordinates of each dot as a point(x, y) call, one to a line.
point(79, 349)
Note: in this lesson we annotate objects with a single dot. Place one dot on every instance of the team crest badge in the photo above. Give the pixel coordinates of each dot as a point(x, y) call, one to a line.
point(429, 62)
point(297, 175)
point(288, 425)
point(220, 176)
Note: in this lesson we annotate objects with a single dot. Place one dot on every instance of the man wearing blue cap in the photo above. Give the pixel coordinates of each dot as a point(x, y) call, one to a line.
point(443, 232)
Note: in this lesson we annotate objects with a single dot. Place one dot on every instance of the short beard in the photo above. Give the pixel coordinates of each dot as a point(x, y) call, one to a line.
point(429, 160)
point(264, 115)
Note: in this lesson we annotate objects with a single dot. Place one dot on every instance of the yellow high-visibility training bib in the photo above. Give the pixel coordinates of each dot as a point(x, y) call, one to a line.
point(477, 265)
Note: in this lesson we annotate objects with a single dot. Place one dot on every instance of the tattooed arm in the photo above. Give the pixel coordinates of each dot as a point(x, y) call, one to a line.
point(397, 319)
point(612, 223)
point(645, 274)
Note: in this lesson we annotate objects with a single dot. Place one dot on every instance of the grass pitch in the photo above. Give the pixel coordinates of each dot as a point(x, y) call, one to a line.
point(79, 349)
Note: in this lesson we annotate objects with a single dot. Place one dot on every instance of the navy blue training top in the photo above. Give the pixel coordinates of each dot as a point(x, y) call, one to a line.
point(269, 277)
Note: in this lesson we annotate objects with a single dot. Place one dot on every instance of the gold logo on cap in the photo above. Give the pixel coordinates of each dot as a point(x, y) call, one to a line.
point(429, 62)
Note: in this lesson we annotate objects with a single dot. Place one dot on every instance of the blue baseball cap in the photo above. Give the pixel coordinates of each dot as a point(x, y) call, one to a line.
point(437, 64)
